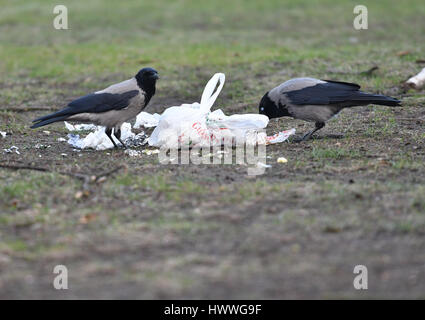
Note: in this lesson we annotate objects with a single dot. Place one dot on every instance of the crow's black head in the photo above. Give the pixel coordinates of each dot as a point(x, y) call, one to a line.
point(267, 107)
point(146, 80)
point(147, 74)
point(272, 110)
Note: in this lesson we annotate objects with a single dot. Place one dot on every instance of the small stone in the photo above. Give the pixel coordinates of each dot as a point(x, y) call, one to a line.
point(78, 195)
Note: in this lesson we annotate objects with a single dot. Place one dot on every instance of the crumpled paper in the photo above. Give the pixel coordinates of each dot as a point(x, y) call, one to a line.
point(146, 120)
point(98, 140)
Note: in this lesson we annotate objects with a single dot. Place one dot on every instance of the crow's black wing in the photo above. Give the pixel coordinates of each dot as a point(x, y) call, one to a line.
point(94, 103)
point(102, 102)
point(330, 92)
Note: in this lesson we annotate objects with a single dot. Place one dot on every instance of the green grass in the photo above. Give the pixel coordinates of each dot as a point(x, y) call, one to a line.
point(334, 153)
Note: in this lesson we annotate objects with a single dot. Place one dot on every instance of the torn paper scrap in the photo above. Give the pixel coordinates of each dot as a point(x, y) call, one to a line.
point(280, 136)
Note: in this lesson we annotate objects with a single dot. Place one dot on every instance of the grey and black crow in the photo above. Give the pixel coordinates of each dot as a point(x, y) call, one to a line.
point(316, 100)
point(110, 107)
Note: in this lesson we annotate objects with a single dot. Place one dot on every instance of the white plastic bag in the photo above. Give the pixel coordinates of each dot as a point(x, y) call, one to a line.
point(193, 125)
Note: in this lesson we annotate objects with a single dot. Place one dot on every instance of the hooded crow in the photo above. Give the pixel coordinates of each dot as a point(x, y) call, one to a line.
point(316, 100)
point(110, 107)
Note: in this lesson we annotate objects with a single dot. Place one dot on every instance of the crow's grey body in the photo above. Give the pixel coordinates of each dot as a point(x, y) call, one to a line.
point(316, 100)
point(110, 107)
point(134, 104)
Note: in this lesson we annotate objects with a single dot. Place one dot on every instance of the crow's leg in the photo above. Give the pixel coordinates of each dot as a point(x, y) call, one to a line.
point(108, 132)
point(117, 134)
point(319, 125)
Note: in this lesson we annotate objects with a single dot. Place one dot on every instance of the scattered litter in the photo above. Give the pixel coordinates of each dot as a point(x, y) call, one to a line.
point(12, 149)
point(41, 146)
point(136, 153)
point(80, 127)
point(146, 120)
point(137, 140)
point(263, 165)
point(280, 136)
point(191, 125)
point(98, 140)
point(418, 81)
point(282, 160)
point(61, 139)
point(3, 134)
point(64, 155)
point(46, 132)
point(150, 152)
point(132, 153)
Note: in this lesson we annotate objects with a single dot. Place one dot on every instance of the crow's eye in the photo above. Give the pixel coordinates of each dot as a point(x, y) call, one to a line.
point(262, 108)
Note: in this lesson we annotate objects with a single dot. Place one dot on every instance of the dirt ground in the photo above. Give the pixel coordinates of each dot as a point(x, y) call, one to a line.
point(354, 195)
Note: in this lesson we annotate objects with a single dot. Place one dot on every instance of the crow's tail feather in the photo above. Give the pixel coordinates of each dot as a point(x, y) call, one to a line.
point(364, 98)
point(63, 112)
point(52, 117)
point(48, 121)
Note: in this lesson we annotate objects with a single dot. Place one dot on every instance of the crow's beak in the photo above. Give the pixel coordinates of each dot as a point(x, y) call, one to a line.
point(156, 76)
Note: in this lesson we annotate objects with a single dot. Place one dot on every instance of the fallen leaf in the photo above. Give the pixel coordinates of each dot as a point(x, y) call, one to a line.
point(87, 218)
point(332, 229)
point(403, 53)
